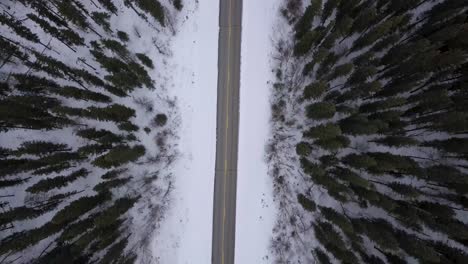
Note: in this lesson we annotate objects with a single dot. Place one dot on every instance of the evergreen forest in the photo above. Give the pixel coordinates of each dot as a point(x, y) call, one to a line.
point(82, 147)
point(369, 144)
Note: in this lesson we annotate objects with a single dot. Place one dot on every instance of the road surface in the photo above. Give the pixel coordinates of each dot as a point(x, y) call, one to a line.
point(227, 132)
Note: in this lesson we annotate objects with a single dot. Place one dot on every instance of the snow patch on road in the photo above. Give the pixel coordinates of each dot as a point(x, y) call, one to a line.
point(256, 210)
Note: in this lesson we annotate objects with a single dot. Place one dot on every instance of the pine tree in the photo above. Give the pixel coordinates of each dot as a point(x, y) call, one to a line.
point(397, 141)
point(315, 90)
point(303, 149)
point(328, 8)
point(178, 4)
point(119, 155)
point(113, 112)
point(111, 214)
point(18, 27)
point(145, 60)
point(115, 252)
point(81, 94)
point(72, 12)
point(108, 5)
point(57, 182)
point(351, 177)
point(361, 125)
point(359, 161)
point(128, 126)
point(341, 70)
point(66, 36)
point(324, 131)
point(305, 22)
point(40, 148)
point(102, 19)
point(154, 8)
point(78, 207)
point(333, 144)
point(321, 110)
point(306, 203)
point(338, 219)
point(321, 256)
point(122, 36)
point(102, 136)
point(453, 145)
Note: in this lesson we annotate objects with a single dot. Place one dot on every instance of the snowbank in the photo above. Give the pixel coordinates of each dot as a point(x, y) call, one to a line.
point(186, 233)
point(255, 207)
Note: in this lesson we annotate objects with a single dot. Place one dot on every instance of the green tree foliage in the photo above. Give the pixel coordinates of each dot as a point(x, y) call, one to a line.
point(306, 203)
point(338, 219)
point(321, 110)
point(305, 22)
point(74, 230)
point(116, 47)
point(315, 90)
point(63, 253)
point(102, 19)
point(160, 120)
point(178, 4)
point(125, 76)
point(361, 125)
point(78, 207)
point(453, 145)
point(325, 131)
point(108, 185)
point(374, 34)
point(81, 94)
point(39, 148)
point(417, 248)
point(328, 8)
point(321, 256)
point(333, 144)
point(303, 149)
point(20, 241)
point(101, 136)
point(111, 214)
point(360, 161)
point(379, 231)
point(62, 67)
point(392, 161)
point(397, 141)
point(24, 212)
point(122, 36)
point(119, 155)
point(154, 8)
point(109, 5)
point(305, 43)
point(57, 182)
point(21, 112)
point(145, 60)
point(341, 70)
point(72, 11)
point(18, 27)
point(351, 177)
point(115, 252)
point(66, 36)
point(128, 126)
point(333, 242)
point(114, 112)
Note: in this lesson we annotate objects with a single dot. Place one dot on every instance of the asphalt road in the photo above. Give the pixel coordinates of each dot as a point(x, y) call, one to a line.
point(227, 132)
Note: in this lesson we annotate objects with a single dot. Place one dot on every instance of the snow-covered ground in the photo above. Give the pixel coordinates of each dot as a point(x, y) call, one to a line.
point(186, 233)
point(256, 210)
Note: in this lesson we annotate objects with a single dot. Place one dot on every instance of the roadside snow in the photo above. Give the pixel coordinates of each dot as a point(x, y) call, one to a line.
point(186, 233)
point(256, 210)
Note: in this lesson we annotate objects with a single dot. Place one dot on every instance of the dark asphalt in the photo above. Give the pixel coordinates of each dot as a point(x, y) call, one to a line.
point(227, 132)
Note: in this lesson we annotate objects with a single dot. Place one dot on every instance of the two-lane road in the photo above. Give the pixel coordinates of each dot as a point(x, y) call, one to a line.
point(227, 132)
